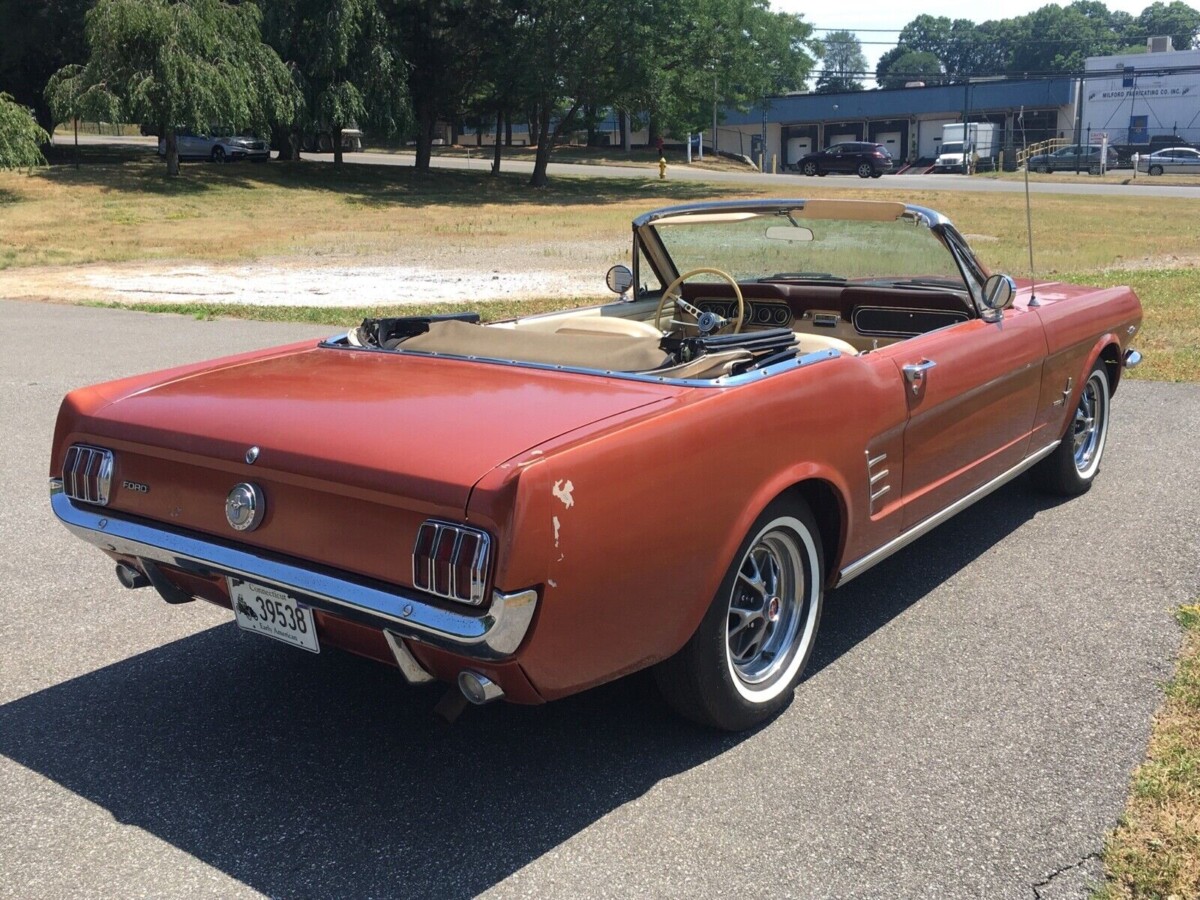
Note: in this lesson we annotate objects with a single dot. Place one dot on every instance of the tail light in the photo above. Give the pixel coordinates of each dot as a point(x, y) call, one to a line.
point(87, 474)
point(452, 561)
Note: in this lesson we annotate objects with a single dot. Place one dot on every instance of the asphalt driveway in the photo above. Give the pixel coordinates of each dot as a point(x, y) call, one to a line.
point(966, 729)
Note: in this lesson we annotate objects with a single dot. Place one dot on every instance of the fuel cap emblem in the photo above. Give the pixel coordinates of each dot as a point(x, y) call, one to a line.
point(244, 507)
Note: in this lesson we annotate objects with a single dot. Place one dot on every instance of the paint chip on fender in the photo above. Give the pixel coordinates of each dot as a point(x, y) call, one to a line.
point(563, 492)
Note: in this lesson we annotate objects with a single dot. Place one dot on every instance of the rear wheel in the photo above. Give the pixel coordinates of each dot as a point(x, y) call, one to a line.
point(1074, 464)
point(865, 170)
point(810, 169)
point(744, 660)
point(218, 154)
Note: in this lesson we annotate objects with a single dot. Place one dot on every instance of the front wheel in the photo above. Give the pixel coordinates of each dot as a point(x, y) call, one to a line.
point(865, 170)
point(1156, 170)
point(744, 660)
point(1074, 464)
point(218, 154)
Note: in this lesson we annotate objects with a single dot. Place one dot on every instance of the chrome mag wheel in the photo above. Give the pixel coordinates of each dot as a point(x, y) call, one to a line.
point(1072, 467)
point(772, 610)
point(763, 611)
point(1089, 430)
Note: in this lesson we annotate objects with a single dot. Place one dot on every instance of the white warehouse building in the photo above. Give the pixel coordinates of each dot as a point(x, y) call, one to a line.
point(1135, 97)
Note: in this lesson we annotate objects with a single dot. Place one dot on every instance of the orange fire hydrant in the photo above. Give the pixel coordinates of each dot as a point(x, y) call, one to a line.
point(662, 168)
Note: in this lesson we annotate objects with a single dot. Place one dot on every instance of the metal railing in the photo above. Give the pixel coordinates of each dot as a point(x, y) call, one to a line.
point(1041, 147)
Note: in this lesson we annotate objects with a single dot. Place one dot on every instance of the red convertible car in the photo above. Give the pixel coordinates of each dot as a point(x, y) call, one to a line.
point(786, 393)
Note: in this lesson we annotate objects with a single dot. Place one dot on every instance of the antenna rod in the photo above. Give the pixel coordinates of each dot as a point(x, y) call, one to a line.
point(1033, 301)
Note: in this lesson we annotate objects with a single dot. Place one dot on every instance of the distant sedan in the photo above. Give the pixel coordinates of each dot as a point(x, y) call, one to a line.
point(1179, 160)
point(217, 147)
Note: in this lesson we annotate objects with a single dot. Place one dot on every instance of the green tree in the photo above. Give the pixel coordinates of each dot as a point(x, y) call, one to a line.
point(843, 63)
point(344, 60)
point(1059, 39)
point(567, 49)
point(36, 40)
point(1177, 19)
point(443, 48)
point(187, 64)
point(21, 138)
point(956, 44)
point(909, 65)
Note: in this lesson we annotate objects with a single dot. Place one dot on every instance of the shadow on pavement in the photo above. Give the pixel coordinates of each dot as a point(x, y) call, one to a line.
point(324, 776)
point(854, 612)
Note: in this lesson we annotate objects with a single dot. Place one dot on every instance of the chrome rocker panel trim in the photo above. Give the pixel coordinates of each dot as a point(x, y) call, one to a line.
point(856, 568)
point(493, 634)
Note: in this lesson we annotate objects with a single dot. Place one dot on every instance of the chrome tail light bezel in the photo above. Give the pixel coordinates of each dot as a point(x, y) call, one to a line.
point(87, 474)
point(452, 561)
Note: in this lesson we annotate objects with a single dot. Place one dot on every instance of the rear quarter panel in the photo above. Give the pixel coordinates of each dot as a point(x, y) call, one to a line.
point(629, 531)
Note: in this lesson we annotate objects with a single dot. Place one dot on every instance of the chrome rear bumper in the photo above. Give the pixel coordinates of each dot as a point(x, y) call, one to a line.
point(492, 634)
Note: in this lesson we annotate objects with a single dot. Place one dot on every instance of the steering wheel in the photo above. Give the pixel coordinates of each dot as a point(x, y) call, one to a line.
point(700, 318)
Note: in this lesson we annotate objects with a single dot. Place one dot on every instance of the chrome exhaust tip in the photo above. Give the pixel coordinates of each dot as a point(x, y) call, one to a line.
point(131, 577)
point(478, 689)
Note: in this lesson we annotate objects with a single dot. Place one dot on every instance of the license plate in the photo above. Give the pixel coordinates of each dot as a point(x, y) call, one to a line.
point(265, 610)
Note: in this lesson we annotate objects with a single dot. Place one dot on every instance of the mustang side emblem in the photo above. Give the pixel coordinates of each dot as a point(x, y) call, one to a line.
point(244, 507)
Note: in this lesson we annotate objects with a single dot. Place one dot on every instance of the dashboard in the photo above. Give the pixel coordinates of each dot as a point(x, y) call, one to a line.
point(758, 312)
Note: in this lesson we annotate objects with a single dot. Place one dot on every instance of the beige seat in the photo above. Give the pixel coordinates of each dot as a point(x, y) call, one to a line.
point(814, 343)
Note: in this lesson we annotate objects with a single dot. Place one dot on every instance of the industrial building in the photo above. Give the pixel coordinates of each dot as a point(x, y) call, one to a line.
point(1135, 101)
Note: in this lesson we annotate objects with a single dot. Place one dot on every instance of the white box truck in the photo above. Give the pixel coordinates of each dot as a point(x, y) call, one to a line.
point(978, 150)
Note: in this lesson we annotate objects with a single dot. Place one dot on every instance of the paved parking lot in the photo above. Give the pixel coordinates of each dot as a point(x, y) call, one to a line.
point(966, 729)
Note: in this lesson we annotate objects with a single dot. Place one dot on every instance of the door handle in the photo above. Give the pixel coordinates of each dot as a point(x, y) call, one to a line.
point(915, 373)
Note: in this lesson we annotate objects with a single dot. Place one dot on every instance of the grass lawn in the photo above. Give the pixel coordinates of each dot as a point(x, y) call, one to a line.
point(1155, 850)
point(1112, 176)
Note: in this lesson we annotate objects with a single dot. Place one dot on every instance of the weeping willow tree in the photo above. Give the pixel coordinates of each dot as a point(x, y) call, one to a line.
point(21, 138)
point(186, 64)
point(345, 60)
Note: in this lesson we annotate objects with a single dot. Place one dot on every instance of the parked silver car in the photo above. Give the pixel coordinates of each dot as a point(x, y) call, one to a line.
point(217, 147)
point(1074, 157)
point(1174, 160)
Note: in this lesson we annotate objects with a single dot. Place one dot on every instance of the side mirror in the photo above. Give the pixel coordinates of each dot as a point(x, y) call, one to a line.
point(619, 279)
point(998, 292)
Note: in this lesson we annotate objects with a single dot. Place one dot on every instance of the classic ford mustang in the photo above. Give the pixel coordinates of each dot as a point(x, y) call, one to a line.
point(786, 392)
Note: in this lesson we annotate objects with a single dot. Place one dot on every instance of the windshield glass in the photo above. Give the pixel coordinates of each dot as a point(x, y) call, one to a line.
point(813, 248)
point(952, 147)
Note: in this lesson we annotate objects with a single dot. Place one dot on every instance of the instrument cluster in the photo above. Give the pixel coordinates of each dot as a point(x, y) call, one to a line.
point(773, 315)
